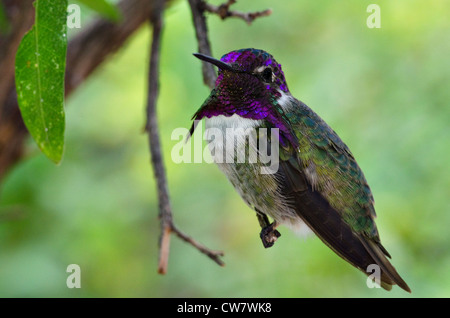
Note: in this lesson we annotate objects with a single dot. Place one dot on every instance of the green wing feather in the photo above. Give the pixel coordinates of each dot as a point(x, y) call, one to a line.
point(332, 170)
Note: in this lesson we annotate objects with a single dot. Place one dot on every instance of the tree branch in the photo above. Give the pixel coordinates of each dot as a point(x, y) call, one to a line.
point(201, 32)
point(223, 11)
point(165, 210)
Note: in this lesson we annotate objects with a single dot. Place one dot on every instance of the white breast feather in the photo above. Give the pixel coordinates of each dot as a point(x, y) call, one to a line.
point(221, 123)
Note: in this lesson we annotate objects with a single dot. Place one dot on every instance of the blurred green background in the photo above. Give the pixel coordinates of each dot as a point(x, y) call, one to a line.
point(385, 91)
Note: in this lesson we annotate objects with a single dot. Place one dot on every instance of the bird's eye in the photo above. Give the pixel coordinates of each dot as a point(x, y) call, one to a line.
point(267, 75)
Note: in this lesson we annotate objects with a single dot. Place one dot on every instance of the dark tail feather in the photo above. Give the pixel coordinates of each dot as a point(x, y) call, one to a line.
point(327, 224)
point(376, 250)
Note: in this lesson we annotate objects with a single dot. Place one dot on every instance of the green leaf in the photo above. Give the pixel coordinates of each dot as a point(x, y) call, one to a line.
point(104, 8)
point(40, 66)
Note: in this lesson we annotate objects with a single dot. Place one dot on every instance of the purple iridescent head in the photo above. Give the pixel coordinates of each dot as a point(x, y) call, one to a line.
point(249, 71)
point(250, 84)
point(258, 63)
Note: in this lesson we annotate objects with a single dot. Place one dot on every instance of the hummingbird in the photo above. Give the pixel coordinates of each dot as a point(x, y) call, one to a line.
point(318, 186)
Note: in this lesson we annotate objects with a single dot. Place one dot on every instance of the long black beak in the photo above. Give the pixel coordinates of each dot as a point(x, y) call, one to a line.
point(218, 63)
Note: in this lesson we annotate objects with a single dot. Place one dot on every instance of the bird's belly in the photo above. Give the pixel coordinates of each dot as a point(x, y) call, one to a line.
point(259, 190)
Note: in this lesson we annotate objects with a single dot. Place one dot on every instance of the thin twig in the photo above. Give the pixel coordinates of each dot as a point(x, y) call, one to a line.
point(223, 11)
point(165, 210)
point(214, 255)
point(204, 47)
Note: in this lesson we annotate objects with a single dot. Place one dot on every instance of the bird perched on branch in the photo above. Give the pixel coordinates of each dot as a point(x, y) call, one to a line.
point(316, 184)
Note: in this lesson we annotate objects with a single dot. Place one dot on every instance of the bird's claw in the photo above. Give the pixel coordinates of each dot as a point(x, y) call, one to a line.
point(269, 235)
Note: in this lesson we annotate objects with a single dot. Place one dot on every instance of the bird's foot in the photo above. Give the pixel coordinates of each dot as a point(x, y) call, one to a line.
point(269, 235)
